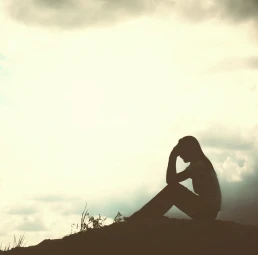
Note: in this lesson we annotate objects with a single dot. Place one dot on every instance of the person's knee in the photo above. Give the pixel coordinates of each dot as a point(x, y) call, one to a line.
point(175, 185)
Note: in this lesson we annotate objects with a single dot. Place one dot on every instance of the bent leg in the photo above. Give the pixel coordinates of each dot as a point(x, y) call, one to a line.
point(178, 195)
point(192, 205)
point(158, 205)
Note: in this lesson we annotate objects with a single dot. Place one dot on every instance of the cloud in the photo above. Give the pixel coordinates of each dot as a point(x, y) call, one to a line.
point(223, 137)
point(233, 10)
point(4, 70)
point(239, 10)
point(231, 149)
point(54, 198)
point(252, 62)
point(110, 205)
point(71, 14)
point(2, 57)
point(240, 199)
point(106, 205)
point(235, 64)
point(253, 87)
point(234, 156)
point(21, 210)
point(32, 223)
point(239, 195)
point(74, 14)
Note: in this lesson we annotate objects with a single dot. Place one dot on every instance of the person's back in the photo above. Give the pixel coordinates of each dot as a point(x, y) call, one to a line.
point(205, 183)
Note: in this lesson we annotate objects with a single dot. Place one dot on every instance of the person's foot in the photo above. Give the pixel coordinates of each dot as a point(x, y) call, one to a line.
point(133, 218)
point(129, 219)
point(126, 219)
point(164, 218)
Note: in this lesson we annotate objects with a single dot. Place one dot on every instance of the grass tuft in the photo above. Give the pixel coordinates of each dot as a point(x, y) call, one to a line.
point(88, 222)
point(19, 244)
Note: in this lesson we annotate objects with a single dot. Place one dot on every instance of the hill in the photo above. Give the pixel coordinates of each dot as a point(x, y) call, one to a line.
point(163, 236)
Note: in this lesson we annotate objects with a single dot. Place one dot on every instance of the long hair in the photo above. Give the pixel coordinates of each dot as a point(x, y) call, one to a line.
point(191, 144)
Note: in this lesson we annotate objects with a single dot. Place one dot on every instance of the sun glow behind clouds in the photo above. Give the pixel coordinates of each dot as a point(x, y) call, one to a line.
point(74, 108)
point(78, 95)
point(95, 113)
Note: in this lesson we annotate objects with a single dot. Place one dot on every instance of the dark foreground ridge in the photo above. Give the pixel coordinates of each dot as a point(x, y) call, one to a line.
point(164, 236)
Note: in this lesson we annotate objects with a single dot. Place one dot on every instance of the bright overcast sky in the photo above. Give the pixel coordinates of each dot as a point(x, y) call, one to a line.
point(95, 94)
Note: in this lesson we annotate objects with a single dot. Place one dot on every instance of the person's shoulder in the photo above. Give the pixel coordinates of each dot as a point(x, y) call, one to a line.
point(198, 163)
point(198, 166)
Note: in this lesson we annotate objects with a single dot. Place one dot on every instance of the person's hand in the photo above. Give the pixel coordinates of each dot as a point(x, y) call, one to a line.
point(176, 150)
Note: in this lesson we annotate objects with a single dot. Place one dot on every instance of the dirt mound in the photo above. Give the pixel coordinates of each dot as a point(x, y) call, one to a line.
point(171, 236)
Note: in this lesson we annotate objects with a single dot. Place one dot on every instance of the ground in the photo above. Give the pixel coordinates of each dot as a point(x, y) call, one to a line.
point(170, 236)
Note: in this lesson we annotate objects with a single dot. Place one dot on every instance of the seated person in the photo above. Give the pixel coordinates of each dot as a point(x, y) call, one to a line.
point(205, 203)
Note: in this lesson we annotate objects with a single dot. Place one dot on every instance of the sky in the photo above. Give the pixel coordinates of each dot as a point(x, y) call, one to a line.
point(94, 95)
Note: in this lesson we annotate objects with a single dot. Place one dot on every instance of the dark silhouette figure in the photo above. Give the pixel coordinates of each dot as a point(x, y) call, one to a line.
point(204, 204)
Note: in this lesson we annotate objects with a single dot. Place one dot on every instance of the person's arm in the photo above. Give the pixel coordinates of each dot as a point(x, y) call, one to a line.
point(184, 175)
point(180, 177)
point(189, 171)
point(171, 169)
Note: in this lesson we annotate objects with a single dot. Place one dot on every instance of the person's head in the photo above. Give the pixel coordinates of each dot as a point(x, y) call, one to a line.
point(190, 149)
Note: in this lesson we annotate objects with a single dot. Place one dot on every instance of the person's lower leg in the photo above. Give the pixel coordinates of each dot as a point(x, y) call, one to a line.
point(157, 206)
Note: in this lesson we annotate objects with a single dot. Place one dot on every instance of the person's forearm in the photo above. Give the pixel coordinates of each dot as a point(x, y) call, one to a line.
point(171, 170)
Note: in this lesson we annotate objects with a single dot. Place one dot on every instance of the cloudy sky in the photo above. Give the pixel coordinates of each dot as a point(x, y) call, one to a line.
point(95, 94)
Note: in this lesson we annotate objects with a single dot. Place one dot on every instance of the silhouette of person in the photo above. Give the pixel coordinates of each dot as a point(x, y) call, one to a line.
point(204, 204)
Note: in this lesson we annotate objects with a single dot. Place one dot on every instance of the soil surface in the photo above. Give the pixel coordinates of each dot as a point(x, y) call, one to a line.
point(164, 236)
